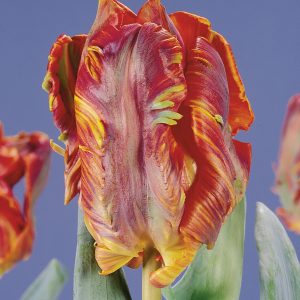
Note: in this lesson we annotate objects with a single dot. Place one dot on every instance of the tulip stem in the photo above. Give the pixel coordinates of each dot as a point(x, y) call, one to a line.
point(150, 264)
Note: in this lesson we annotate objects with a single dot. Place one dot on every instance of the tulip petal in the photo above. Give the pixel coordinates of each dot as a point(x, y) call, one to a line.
point(240, 113)
point(127, 97)
point(152, 11)
point(16, 225)
point(11, 168)
point(198, 27)
point(176, 258)
point(60, 82)
point(11, 225)
point(111, 13)
point(287, 185)
point(205, 135)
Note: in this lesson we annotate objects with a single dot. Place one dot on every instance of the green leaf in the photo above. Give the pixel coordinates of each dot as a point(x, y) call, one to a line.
point(278, 262)
point(48, 284)
point(216, 274)
point(88, 283)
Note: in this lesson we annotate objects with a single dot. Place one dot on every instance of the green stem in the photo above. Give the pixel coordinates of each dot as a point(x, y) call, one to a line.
point(149, 292)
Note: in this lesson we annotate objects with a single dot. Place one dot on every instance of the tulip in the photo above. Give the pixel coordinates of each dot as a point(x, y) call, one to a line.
point(287, 171)
point(147, 106)
point(21, 156)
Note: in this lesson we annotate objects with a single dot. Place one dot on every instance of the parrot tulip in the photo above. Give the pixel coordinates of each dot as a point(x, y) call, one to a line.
point(287, 185)
point(147, 106)
point(21, 156)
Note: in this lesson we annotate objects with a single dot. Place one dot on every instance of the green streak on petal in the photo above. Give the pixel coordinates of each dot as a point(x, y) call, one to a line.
point(46, 83)
point(167, 117)
point(164, 121)
point(169, 92)
point(170, 115)
point(219, 119)
point(48, 284)
point(63, 137)
point(279, 265)
point(162, 105)
point(88, 283)
point(216, 274)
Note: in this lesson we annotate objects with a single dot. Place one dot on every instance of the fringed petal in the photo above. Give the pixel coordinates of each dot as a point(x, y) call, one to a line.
point(16, 225)
point(240, 112)
point(206, 137)
point(60, 83)
point(287, 170)
point(241, 115)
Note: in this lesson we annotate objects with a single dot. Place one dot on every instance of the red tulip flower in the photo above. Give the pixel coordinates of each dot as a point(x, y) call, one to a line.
point(21, 156)
point(287, 171)
point(148, 105)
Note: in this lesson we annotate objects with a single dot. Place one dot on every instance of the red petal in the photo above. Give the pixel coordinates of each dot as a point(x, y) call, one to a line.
point(16, 226)
point(60, 82)
point(11, 166)
point(244, 153)
point(240, 113)
point(152, 11)
point(15, 240)
point(10, 212)
point(205, 136)
point(197, 27)
point(111, 13)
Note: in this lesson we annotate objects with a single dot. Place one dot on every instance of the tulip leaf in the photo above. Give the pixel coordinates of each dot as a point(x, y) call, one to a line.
point(278, 262)
point(88, 283)
point(48, 284)
point(216, 274)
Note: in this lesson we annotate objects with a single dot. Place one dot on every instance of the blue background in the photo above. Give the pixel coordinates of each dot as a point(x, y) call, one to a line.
point(264, 35)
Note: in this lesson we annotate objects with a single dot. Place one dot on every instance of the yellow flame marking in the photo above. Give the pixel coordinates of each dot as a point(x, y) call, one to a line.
point(58, 149)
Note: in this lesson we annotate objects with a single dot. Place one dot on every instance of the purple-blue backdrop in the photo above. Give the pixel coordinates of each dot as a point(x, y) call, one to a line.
point(265, 39)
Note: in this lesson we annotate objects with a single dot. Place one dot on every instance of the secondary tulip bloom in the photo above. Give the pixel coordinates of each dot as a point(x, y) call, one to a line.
point(287, 184)
point(21, 156)
point(147, 105)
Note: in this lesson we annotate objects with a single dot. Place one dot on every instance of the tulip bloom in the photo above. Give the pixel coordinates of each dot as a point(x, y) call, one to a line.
point(147, 105)
point(287, 185)
point(21, 156)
